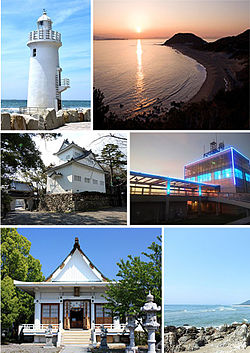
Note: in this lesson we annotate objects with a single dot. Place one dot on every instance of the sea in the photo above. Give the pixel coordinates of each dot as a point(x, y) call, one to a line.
point(205, 315)
point(135, 75)
point(13, 105)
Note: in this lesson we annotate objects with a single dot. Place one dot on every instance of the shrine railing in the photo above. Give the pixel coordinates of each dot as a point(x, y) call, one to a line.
point(32, 328)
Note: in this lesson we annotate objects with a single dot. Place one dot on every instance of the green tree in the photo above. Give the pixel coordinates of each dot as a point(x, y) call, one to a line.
point(17, 263)
point(114, 160)
point(21, 159)
point(136, 278)
point(19, 153)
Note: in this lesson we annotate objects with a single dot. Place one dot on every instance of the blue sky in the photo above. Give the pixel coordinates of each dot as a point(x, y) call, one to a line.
point(70, 18)
point(206, 265)
point(103, 246)
point(169, 152)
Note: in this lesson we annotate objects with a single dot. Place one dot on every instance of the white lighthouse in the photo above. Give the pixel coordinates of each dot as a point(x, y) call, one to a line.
point(45, 83)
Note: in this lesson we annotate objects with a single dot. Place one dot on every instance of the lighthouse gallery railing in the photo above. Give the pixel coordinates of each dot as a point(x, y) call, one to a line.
point(45, 34)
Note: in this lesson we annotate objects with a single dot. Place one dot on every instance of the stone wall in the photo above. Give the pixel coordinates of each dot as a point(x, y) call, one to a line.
point(46, 119)
point(84, 201)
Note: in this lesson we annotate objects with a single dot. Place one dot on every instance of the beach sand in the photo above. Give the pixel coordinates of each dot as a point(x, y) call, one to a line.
point(221, 71)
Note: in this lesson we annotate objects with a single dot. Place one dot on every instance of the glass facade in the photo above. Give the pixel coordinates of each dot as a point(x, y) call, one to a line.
point(228, 168)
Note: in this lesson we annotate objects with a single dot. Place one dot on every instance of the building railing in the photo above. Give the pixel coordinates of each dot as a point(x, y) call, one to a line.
point(33, 328)
point(46, 34)
point(154, 191)
point(235, 196)
point(111, 327)
point(32, 110)
point(65, 82)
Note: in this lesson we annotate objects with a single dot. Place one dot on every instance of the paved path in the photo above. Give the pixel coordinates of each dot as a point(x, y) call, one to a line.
point(28, 348)
point(74, 126)
point(75, 349)
point(245, 220)
point(110, 216)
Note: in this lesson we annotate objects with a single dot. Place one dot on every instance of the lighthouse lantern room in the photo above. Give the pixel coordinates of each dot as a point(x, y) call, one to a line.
point(45, 83)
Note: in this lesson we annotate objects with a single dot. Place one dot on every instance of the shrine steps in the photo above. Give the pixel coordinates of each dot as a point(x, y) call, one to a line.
point(76, 337)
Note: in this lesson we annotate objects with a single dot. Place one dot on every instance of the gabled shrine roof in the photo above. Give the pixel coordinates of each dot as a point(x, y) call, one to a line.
point(76, 267)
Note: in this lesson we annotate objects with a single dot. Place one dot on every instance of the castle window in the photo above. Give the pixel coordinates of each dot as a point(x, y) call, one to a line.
point(77, 178)
point(34, 52)
point(95, 181)
point(87, 180)
point(101, 182)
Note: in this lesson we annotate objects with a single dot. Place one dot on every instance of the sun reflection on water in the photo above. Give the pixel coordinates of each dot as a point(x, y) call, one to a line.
point(139, 73)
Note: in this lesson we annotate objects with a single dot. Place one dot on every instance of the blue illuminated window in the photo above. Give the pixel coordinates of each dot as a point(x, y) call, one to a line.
point(238, 173)
point(226, 173)
point(191, 179)
point(247, 177)
point(217, 175)
point(204, 177)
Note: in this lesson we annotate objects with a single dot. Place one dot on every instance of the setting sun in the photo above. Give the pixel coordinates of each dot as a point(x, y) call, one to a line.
point(138, 29)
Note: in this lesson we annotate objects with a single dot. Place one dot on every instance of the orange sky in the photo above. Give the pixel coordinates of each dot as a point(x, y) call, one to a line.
point(163, 18)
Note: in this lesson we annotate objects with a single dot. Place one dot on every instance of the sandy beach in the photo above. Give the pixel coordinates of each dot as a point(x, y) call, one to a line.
point(221, 71)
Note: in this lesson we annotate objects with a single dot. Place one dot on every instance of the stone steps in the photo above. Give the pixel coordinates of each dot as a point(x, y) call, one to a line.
point(76, 337)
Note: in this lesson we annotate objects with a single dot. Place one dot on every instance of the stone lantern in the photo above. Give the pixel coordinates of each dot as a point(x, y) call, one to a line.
point(131, 325)
point(151, 324)
point(49, 337)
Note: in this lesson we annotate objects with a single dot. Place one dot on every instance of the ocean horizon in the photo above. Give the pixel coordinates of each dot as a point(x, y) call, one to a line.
point(205, 315)
point(13, 105)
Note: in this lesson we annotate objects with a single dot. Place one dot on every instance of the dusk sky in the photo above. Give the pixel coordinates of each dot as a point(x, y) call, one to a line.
point(167, 153)
point(206, 265)
point(70, 18)
point(103, 246)
point(162, 19)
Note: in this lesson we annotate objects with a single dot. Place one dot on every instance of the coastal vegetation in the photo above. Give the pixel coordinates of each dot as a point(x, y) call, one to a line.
point(226, 109)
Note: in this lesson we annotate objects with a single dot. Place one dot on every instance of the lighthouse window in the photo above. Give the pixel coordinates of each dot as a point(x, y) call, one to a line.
point(41, 23)
point(34, 52)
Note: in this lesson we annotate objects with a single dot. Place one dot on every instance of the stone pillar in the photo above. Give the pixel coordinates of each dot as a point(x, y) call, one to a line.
point(131, 325)
point(37, 315)
point(151, 324)
point(116, 322)
point(61, 315)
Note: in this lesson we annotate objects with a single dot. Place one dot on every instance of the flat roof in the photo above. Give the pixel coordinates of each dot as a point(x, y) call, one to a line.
point(228, 149)
point(160, 180)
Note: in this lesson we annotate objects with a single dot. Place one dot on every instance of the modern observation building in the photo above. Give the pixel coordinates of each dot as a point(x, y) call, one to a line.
point(218, 183)
point(45, 83)
point(222, 166)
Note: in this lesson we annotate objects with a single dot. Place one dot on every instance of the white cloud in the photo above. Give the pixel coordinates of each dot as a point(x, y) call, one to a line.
point(62, 15)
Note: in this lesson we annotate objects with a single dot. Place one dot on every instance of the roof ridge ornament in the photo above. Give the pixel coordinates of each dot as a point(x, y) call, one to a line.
point(76, 245)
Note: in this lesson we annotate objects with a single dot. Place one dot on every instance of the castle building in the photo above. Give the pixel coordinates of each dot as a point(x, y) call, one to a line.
point(222, 166)
point(45, 83)
point(72, 300)
point(77, 171)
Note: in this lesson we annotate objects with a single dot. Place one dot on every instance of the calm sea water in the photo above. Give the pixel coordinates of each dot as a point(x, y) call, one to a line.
point(205, 315)
point(134, 75)
point(13, 105)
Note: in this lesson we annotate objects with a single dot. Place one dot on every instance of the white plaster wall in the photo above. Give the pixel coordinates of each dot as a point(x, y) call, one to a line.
point(60, 184)
point(76, 270)
point(42, 74)
point(90, 161)
point(73, 152)
point(85, 172)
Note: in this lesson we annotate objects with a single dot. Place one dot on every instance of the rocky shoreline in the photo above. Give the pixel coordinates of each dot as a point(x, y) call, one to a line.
point(227, 338)
point(45, 119)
